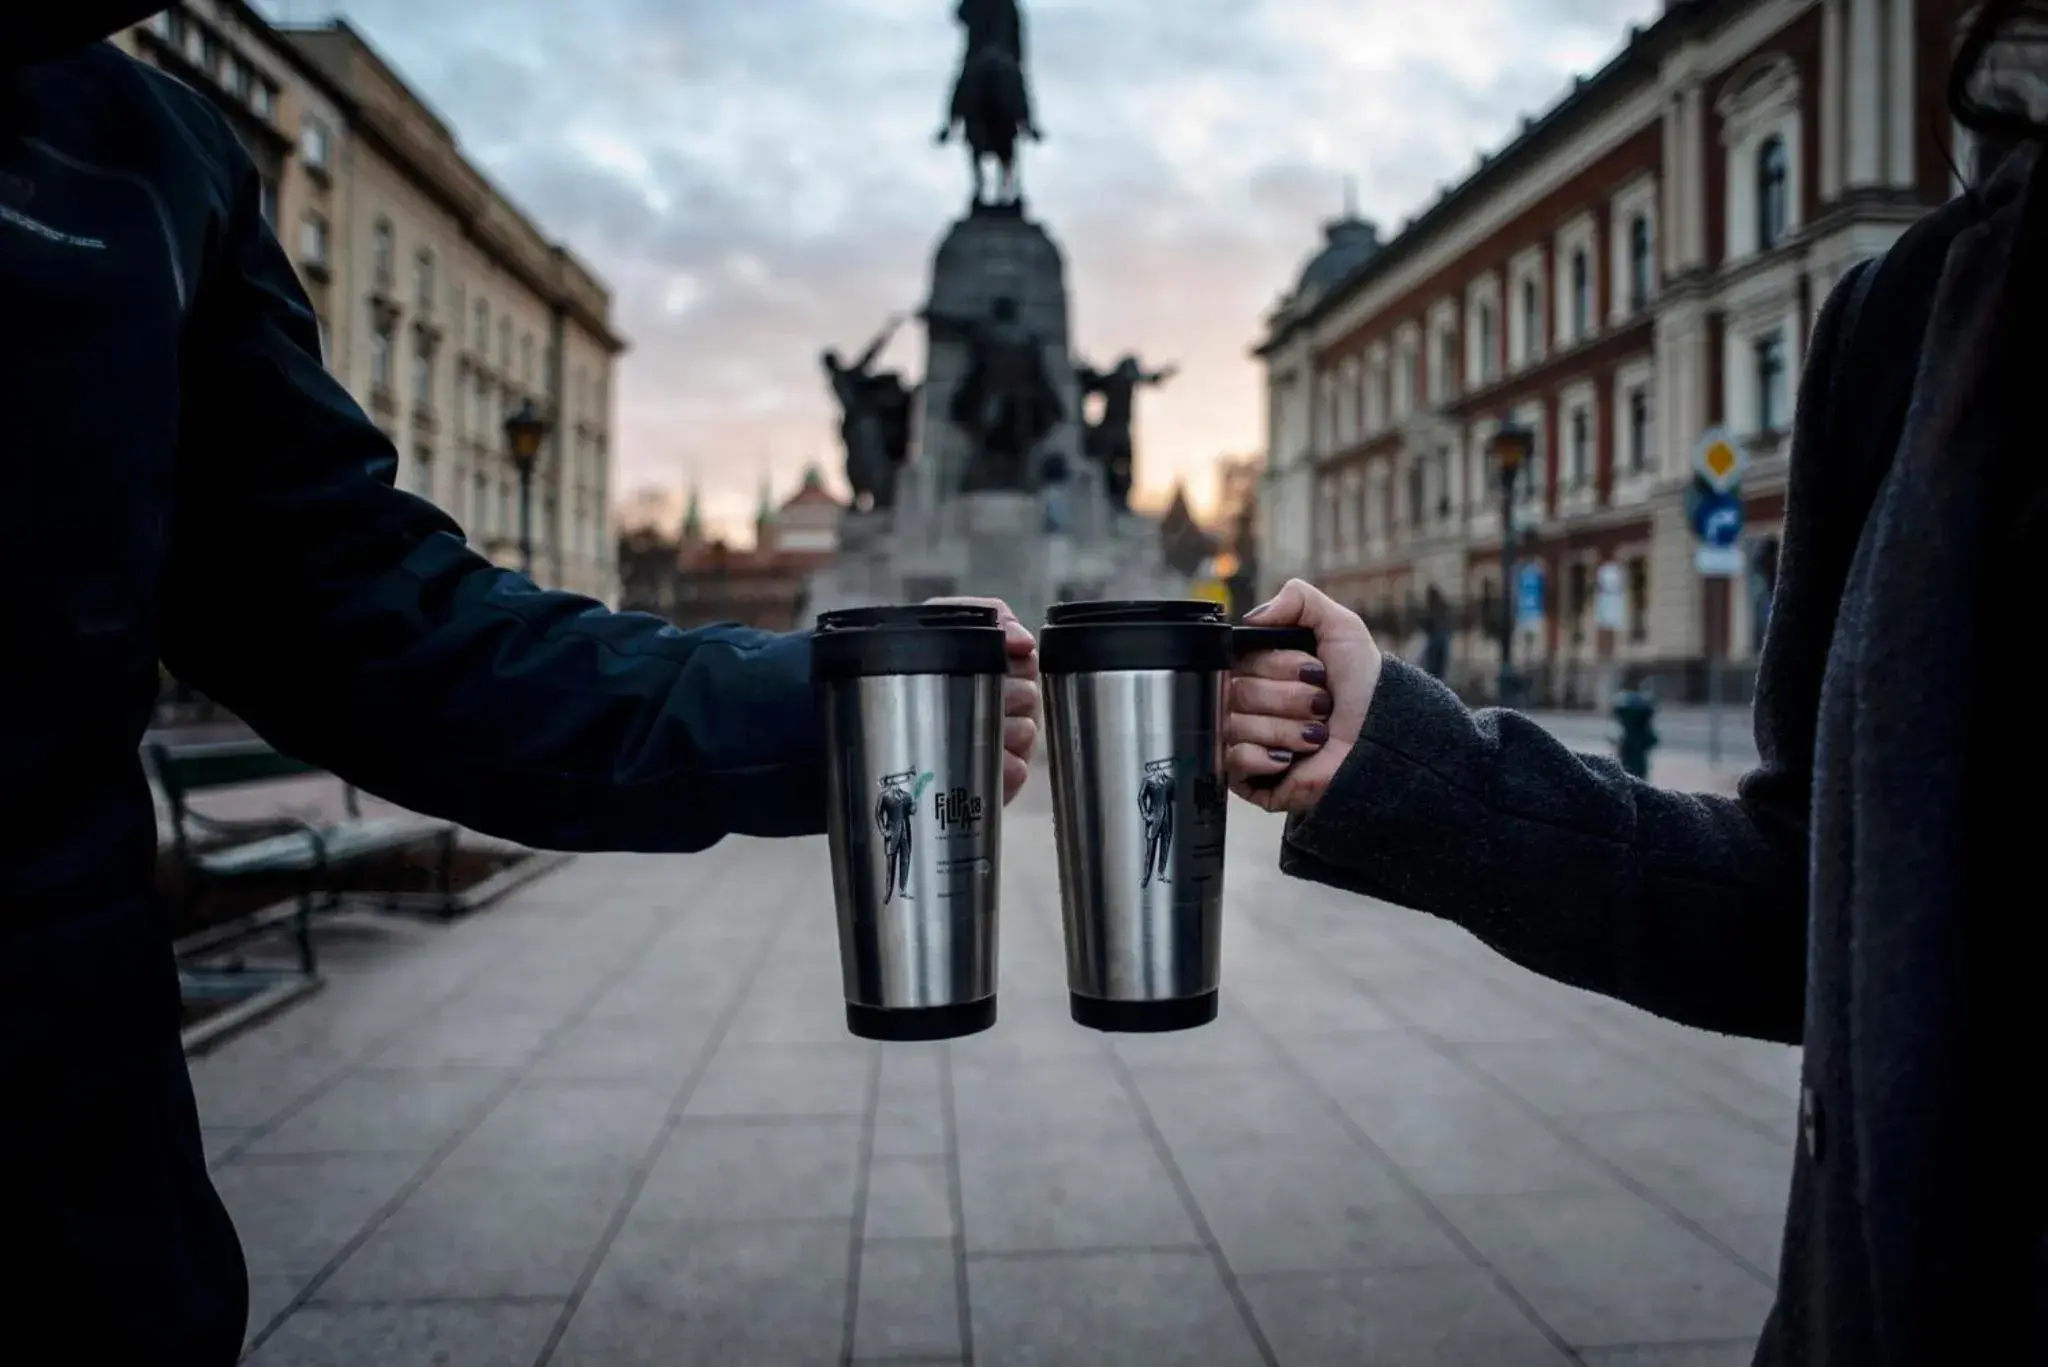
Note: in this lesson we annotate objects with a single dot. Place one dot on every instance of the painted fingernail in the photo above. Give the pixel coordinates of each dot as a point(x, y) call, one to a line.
point(1281, 756)
point(1260, 611)
point(1315, 733)
point(1314, 673)
point(1322, 704)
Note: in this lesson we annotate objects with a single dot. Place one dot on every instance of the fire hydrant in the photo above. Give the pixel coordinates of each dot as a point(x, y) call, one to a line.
point(1635, 713)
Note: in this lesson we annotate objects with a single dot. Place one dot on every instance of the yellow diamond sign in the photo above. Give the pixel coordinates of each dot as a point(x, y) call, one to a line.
point(1718, 460)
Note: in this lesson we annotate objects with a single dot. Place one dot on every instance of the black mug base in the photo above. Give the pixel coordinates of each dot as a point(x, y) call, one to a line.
point(922, 1022)
point(1142, 1018)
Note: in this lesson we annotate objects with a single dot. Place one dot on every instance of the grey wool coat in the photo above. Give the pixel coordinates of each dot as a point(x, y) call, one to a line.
point(1867, 894)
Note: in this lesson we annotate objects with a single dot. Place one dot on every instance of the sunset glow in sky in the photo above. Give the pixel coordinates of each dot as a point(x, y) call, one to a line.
point(758, 181)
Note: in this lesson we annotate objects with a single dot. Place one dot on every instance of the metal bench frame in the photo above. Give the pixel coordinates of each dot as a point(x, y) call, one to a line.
point(231, 764)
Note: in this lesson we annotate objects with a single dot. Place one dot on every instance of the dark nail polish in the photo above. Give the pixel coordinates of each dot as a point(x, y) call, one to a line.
point(1281, 756)
point(1314, 673)
point(1322, 704)
point(1315, 733)
point(1260, 611)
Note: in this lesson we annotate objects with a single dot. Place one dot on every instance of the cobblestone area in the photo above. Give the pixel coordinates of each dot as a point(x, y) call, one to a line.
point(617, 1120)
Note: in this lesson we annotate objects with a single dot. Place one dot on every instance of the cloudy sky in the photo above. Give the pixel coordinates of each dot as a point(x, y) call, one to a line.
point(756, 179)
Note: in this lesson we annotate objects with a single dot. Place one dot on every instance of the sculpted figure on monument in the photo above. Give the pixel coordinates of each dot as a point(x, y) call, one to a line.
point(992, 96)
point(1007, 401)
point(874, 421)
point(1109, 437)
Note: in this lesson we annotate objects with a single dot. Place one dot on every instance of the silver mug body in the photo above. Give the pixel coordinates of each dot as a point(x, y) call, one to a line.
point(1140, 807)
point(914, 820)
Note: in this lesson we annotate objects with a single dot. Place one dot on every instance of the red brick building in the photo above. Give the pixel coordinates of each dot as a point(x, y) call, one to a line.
point(1641, 264)
point(693, 579)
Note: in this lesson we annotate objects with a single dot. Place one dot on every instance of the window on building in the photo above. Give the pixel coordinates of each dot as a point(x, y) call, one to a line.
point(506, 514)
point(235, 74)
point(314, 140)
point(1446, 364)
point(1488, 347)
point(423, 282)
point(1418, 495)
point(1532, 320)
point(483, 419)
point(380, 355)
point(1638, 431)
point(1578, 592)
point(313, 246)
point(505, 345)
point(383, 251)
point(1772, 193)
point(1638, 578)
point(423, 470)
point(1404, 384)
point(1771, 398)
point(548, 533)
point(199, 45)
point(526, 360)
point(1582, 296)
point(482, 340)
point(1582, 448)
point(167, 24)
point(326, 340)
point(1442, 482)
point(1638, 263)
point(263, 99)
point(266, 199)
point(479, 503)
point(422, 376)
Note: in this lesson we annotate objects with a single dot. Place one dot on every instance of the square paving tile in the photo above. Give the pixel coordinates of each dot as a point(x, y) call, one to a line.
point(753, 1295)
point(1610, 1269)
point(235, 1091)
point(295, 1214)
point(909, 1124)
point(1306, 1207)
point(549, 1126)
point(1162, 1310)
point(1700, 1161)
point(385, 1112)
point(1472, 1144)
point(784, 1079)
point(1738, 1354)
point(456, 1039)
point(784, 1169)
point(475, 1234)
point(1013, 1106)
point(909, 1302)
point(1575, 1077)
point(1433, 1317)
point(1241, 1105)
point(1078, 1193)
point(653, 1049)
point(406, 1335)
point(909, 1198)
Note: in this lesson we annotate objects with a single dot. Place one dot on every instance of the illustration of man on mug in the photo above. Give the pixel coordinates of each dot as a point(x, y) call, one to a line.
point(893, 811)
point(1155, 804)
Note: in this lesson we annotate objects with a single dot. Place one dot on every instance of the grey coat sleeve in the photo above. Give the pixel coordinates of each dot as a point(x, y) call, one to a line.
point(1693, 907)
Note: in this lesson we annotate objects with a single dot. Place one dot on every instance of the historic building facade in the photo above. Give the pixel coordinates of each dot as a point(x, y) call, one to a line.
point(1642, 263)
point(442, 307)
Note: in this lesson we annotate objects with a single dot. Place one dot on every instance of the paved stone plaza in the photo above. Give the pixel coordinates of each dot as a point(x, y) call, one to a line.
point(617, 1120)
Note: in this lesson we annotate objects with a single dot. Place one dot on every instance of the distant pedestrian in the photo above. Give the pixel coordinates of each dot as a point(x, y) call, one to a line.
point(1874, 892)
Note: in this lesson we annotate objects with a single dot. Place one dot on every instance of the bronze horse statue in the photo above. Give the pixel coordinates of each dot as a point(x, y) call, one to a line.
point(992, 109)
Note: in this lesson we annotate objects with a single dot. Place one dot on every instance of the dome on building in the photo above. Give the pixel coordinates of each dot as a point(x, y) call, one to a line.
point(1348, 243)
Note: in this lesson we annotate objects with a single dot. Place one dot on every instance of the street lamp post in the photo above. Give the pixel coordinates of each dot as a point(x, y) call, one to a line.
point(525, 429)
point(1511, 446)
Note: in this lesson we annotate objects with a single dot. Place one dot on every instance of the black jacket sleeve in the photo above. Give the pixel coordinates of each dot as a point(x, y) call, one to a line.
point(1693, 907)
point(351, 626)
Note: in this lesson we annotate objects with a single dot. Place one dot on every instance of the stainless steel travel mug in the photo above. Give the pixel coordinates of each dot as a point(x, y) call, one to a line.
point(913, 709)
point(1135, 694)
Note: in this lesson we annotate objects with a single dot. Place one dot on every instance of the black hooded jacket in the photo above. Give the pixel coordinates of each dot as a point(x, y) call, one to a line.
point(181, 480)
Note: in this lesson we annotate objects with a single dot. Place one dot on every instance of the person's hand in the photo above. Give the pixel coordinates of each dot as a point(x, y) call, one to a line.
point(1293, 719)
point(1020, 694)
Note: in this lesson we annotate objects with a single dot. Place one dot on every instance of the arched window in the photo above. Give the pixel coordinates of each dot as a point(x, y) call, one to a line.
point(1772, 203)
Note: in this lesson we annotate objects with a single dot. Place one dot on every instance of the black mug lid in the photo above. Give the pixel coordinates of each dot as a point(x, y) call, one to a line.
point(918, 615)
point(928, 638)
point(1154, 611)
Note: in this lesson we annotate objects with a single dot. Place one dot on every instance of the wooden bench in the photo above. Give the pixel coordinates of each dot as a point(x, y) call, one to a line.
point(216, 850)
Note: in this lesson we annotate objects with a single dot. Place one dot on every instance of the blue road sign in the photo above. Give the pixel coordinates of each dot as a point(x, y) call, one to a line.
point(1529, 595)
point(1717, 520)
